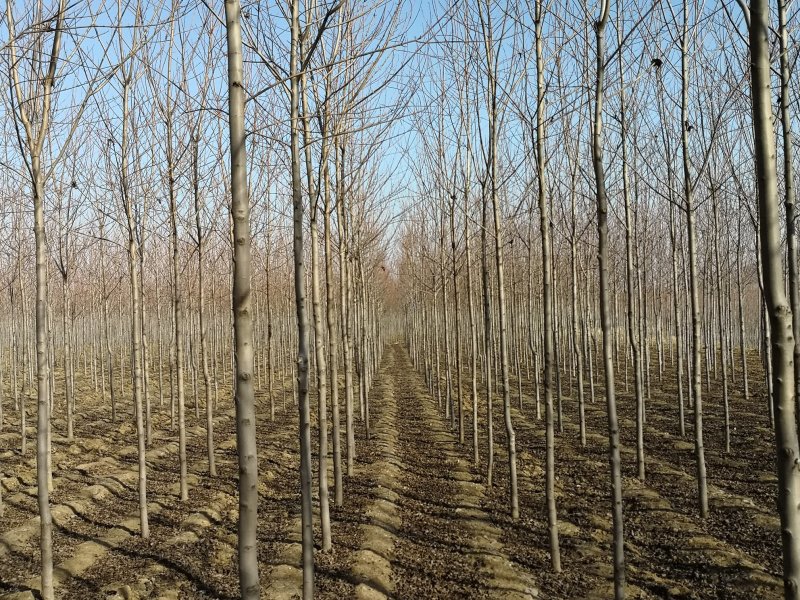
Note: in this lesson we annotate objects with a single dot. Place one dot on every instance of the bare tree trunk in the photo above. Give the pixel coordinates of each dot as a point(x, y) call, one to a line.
point(160, 348)
point(43, 376)
point(780, 313)
point(364, 361)
point(577, 328)
point(23, 415)
point(676, 314)
point(788, 192)
point(633, 334)
point(270, 357)
point(473, 330)
point(345, 311)
point(177, 316)
point(136, 314)
point(2, 401)
point(319, 334)
point(65, 322)
point(725, 404)
point(456, 305)
point(742, 348)
point(547, 282)
point(106, 337)
point(493, 133)
point(143, 323)
point(702, 487)
point(487, 337)
point(249, 586)
point(606, 324)
point(437, 341)
point(300, 305)
point(333, 341)
point(212, 469)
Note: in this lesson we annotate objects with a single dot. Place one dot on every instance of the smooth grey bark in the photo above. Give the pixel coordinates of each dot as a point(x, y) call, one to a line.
point(493, 134)
point(780, 312)
point(300, 307)
point(577, 327)
point(457, 321)
point(487, 336)
point(634, 333)
point(136, 314)
point(35, 146)
point(66, 324)
point(106, 336)
point(160, 347)
point(143, 323)
point(473, 329)
point(547, 298)
point(177, 315)
point(689, 209)
point(677, 322)
point(789, 192)
point(333, 341)
point(605, 320)
point(319, 333)
point(364, 366)
point(676, 313)
point(345, 306)
point(43, 366)
point(448, 403)
point(725, 403)
point(740, 305)
point(249, 585)
point(212, 468)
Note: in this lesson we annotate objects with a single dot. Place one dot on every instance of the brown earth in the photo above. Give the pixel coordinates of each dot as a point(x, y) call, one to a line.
point(418, 520)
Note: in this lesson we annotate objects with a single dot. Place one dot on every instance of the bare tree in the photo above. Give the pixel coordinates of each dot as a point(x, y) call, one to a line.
point(605, 316)
point(547, 295)
point(33, 111)
point(295, 73)
point(249, 584)
point(780, 312)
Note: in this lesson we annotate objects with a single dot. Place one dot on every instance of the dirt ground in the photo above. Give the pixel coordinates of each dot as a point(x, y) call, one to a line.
point(418, 519)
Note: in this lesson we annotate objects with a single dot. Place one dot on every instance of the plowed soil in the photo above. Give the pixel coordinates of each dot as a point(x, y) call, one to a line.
point(419, 519)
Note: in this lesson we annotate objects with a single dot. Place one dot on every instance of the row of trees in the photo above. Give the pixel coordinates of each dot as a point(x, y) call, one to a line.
point(630, 130)
point(121, 138)
point(628, 121)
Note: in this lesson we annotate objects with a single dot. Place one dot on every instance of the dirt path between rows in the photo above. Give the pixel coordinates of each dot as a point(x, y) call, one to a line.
point(447, 546)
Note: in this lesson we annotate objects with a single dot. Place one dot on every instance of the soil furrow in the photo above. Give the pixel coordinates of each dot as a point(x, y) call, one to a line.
point(447, 547)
